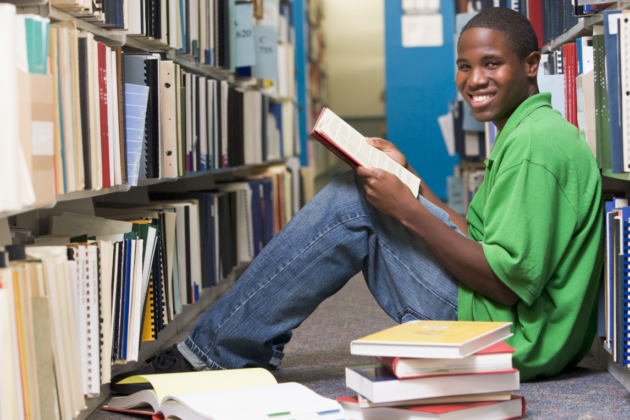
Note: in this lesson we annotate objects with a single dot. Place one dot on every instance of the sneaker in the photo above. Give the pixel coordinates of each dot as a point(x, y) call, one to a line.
point(169, 360)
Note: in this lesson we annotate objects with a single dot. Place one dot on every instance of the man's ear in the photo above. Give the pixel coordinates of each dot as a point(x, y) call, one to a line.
point(531, 64)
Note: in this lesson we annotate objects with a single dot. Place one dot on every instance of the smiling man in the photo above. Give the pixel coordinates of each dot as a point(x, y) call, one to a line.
point(529, 252)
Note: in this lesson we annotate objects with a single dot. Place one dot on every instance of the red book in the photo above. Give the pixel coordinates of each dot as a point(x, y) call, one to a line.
point(505, 410)
point(328, 144)
point(102, 88)
point(496, 359)
point(569, 58)
point(573, 83)
point(534, 11)
point(344, 141)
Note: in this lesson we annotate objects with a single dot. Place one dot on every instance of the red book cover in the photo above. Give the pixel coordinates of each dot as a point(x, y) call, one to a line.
point(573, 83)
point(534, 10)
point(330, 145)
point(154, 416)
point(565, 60)
point(446, 408)
point(102, 88)
point(390, 363)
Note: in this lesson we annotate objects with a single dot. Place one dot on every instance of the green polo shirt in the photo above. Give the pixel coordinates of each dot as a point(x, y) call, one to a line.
point(539, 217)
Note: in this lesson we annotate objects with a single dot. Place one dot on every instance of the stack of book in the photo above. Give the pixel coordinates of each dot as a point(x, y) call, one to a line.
point(435, 369)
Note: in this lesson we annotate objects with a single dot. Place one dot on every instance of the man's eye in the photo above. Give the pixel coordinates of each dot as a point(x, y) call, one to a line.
point(464, 67)
point(493, 64)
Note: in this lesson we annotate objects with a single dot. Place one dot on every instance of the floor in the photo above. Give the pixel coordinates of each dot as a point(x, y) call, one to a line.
point(320, 350)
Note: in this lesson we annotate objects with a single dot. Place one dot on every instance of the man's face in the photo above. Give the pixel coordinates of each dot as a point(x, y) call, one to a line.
point(490, 76)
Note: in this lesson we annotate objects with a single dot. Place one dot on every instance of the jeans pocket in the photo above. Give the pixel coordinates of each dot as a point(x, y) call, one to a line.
point(408, 314)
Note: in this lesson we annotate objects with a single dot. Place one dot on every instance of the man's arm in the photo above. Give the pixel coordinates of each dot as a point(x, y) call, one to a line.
point(462, 256)
point(425, 191)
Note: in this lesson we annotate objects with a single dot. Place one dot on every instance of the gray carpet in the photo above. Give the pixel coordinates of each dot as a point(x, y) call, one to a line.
point(319, 352)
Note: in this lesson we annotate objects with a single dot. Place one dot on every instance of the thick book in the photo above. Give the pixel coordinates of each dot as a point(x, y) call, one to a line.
point(496, 358)
point(432, 339)
point(379, 385)
point(454, 399)
point(220, 395)
point(347, 143)
point(497, 410)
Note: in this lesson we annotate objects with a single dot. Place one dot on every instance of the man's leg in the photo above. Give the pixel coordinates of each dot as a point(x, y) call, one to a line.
point(337, 234)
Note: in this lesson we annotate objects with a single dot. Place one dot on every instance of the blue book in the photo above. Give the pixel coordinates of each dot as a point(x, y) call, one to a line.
point(136, 99)
point(268, 215)
point(578, 45)
point(623, 291)
point(276, 109)
point(613, 80)
point(257, 219)
point(623, 321)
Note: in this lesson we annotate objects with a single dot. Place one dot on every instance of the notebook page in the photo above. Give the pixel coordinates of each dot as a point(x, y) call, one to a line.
point(354, 145)
point(212, 380)
point(261, 402)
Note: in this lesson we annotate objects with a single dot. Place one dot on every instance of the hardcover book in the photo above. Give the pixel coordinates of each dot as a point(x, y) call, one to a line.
point(347, 143)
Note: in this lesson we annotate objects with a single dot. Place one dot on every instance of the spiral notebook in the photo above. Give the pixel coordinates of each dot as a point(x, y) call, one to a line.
point(624, 58)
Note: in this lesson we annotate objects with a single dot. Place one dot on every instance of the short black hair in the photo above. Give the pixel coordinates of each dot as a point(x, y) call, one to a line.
point(517, 28)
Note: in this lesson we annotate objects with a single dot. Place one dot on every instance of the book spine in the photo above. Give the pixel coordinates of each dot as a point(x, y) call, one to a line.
point(102, 87)
point(328, 145)
point(625, 292)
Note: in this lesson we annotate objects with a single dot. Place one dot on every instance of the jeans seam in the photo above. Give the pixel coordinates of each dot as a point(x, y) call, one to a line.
point(195, 349)
point(282, 270)
point(414, 276)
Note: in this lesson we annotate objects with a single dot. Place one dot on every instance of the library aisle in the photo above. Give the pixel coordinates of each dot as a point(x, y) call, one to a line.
point(320, 350)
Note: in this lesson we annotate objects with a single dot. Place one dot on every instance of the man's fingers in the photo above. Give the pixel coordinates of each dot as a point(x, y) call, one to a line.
point(378, 143)
point(365, 171)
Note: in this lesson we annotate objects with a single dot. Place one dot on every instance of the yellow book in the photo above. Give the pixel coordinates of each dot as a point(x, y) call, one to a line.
point(432, 339)
point(148, 329)
point(185, 383)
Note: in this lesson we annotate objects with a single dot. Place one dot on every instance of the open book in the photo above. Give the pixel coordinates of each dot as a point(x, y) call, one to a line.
point(224, 395)
point(347, 143)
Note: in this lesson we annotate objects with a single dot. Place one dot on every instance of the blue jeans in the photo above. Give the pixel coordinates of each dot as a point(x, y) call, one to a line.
point(336, 235)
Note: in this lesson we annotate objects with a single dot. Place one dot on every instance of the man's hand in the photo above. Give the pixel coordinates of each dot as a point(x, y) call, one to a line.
point(386, 192)
point(389, 149)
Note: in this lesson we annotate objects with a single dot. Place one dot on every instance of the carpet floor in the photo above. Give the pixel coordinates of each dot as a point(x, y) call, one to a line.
point(320, 350)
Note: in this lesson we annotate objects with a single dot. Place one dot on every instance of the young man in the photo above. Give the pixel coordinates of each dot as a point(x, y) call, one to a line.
point(529, 252)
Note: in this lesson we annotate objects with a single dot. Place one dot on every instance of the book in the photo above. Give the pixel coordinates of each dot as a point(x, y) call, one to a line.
point(497, 410)
point(379, 385)
point(455, 399)
point(347, 143)
point(496, 358)
point(432, 339)
point(216, 394)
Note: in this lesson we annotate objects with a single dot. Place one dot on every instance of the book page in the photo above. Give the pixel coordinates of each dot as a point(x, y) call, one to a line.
point(354, 145)
point(212, 380)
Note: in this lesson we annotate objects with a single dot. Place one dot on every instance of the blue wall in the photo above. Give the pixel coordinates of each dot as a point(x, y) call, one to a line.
point(300, 20)
point(419, 84)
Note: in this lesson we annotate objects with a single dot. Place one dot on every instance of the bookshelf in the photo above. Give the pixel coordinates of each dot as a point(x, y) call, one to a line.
point(583, 28)
point(36, 218)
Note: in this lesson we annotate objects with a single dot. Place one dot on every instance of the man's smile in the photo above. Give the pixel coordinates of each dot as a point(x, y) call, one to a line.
point(479, 100)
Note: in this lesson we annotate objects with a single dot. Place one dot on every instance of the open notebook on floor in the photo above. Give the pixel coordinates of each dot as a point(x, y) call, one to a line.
point(224, 395)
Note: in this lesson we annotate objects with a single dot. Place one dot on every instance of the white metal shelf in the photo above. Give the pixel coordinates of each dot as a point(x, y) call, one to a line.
point(583, 28)
point(78, 195)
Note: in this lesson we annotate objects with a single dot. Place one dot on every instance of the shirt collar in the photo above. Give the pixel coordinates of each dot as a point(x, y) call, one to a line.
point(528, 106)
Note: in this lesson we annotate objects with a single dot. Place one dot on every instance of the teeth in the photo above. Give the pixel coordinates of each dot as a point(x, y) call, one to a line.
point(481, 98)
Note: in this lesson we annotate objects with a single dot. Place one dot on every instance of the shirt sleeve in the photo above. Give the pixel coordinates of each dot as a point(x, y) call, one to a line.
point(528, 223)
